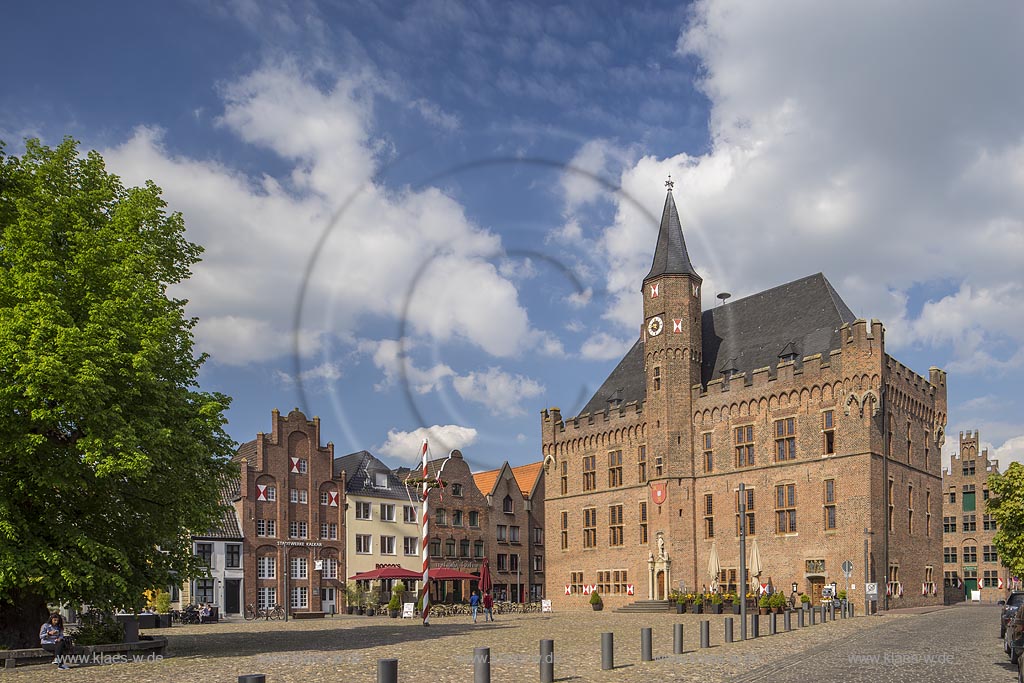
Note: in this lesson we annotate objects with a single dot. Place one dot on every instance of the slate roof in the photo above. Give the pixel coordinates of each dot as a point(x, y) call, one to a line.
point(670, 256)
point(246, 450)
point(360, 470)
point(628, 382)
point(227, 527)
point(801, 317)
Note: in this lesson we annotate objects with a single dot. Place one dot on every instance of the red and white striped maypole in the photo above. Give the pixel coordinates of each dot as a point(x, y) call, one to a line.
point(426, 540)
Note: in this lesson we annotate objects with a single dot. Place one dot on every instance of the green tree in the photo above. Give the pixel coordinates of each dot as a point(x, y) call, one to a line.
point(108, 450)
point(1006, 505)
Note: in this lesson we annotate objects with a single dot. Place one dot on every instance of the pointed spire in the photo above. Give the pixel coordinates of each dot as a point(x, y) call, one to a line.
point(670, 257)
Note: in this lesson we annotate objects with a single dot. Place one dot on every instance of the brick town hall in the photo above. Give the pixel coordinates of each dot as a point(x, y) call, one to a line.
point(785, 391)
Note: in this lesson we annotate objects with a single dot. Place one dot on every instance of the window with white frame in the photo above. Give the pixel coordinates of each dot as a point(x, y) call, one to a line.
point(364, 544)
point(270, 493)
point(266, 567)
point(329, 531)
point(325, 497)
point(266, 597)
point(300, 568)
point(410, 545)
point(409, 514)
point(330, 570)
point(363, 510)
point(387, 512)
point(300, 597)
point(298, 529)
point(387, 545)
point(299, 496)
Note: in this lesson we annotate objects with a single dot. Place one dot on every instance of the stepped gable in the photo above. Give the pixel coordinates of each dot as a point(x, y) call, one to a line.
point(745, 335)
point(750, 333)
point(627, 383)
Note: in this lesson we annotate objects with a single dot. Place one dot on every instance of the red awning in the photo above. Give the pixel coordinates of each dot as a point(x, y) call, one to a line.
point(445, 574)
point(387, 573)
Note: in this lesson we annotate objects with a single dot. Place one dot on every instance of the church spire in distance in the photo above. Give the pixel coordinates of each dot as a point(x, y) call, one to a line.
point(670, 256)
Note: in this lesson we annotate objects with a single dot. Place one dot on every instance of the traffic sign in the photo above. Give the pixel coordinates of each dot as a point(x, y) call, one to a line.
point(847, 569)
point(871, 590)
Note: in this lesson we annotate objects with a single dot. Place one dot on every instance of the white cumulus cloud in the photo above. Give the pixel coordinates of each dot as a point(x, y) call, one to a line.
point(405, 446)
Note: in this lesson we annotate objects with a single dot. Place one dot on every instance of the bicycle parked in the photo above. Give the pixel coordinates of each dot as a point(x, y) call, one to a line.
point(253, 612)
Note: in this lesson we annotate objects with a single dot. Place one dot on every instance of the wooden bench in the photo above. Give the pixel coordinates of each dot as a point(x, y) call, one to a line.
point(308, 615)
point(155, 646)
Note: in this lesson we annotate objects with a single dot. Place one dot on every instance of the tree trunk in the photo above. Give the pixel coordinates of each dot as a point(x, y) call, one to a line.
point(20, 619)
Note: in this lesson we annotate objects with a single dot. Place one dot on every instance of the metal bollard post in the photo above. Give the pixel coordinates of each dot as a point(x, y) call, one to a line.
point(677, 639)
point(787, 621)
point(800, 619)
point(705, 633)
point(849, 607)
point(755, 625)
point(252, 678)
point(842, 611)
point(547, 661)
point(607, 651)
point(481, 665)
point(824, 614)
point(728, 629)
point(814, 617)
point(645, 645)
point(387, 671)
point(773, 625)
point(832, 611)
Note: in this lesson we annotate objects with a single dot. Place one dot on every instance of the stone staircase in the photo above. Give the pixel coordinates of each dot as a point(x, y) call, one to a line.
point(660, 606)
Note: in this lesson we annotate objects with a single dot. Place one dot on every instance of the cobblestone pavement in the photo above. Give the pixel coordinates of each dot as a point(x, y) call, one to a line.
point(961, 643)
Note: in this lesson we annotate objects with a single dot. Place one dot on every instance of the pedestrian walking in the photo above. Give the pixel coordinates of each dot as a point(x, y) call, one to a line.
point(474, 603)
point(488, 607)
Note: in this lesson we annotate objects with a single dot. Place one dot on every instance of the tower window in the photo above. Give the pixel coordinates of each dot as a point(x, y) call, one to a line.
point(657, 379)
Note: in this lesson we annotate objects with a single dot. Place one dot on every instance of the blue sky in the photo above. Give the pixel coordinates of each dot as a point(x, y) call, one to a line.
point(471, 270)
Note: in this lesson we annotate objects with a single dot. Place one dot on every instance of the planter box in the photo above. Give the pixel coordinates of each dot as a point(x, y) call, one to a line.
point(307, 615)
point(716, 608)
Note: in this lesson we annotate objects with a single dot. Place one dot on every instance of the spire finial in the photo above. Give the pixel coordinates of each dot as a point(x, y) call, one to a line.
point(668, 183)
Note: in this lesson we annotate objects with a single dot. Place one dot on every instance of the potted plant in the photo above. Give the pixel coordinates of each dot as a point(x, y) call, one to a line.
point(764, 604)
point(805, 601)
point(698, 603)
point(394, 606)
point(680, 602)
point(842, 596)
point(595, 602)
point(716, 603)
point(777, 602)
point(351, 598)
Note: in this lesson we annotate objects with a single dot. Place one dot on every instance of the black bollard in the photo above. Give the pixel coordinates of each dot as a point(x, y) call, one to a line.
point(677, 639)
point(773, 626)
point(705, 633)
point(253, 678)
point(832, 611)
point(814, 617)
point(607, 651)
point(755, 625)
point(728, 629)
point(645, 645)
point(849, 608)
point(387, 671)
point(481, 665)
point(787, 621)
point(824, 614)
point(547, 661)
point(800, 619)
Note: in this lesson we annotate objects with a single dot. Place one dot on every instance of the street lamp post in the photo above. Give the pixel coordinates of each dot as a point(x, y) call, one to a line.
point(743, 562)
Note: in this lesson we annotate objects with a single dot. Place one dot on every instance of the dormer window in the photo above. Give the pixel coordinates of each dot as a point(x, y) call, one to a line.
point(729, 369)
point(788, 353)
point(380, 480)
point(506, 505)
point(457, 490)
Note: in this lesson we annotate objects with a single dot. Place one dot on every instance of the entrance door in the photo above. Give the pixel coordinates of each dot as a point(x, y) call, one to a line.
point(327, 600)
point(661, 586)
point(232, 596)
point(970, 585)
point(816, 585)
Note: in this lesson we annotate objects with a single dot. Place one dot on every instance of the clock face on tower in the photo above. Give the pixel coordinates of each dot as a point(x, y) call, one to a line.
point(655, 326)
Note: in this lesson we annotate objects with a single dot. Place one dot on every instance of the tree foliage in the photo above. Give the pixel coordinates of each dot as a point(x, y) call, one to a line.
point(108, 450)
point(1006, 505)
